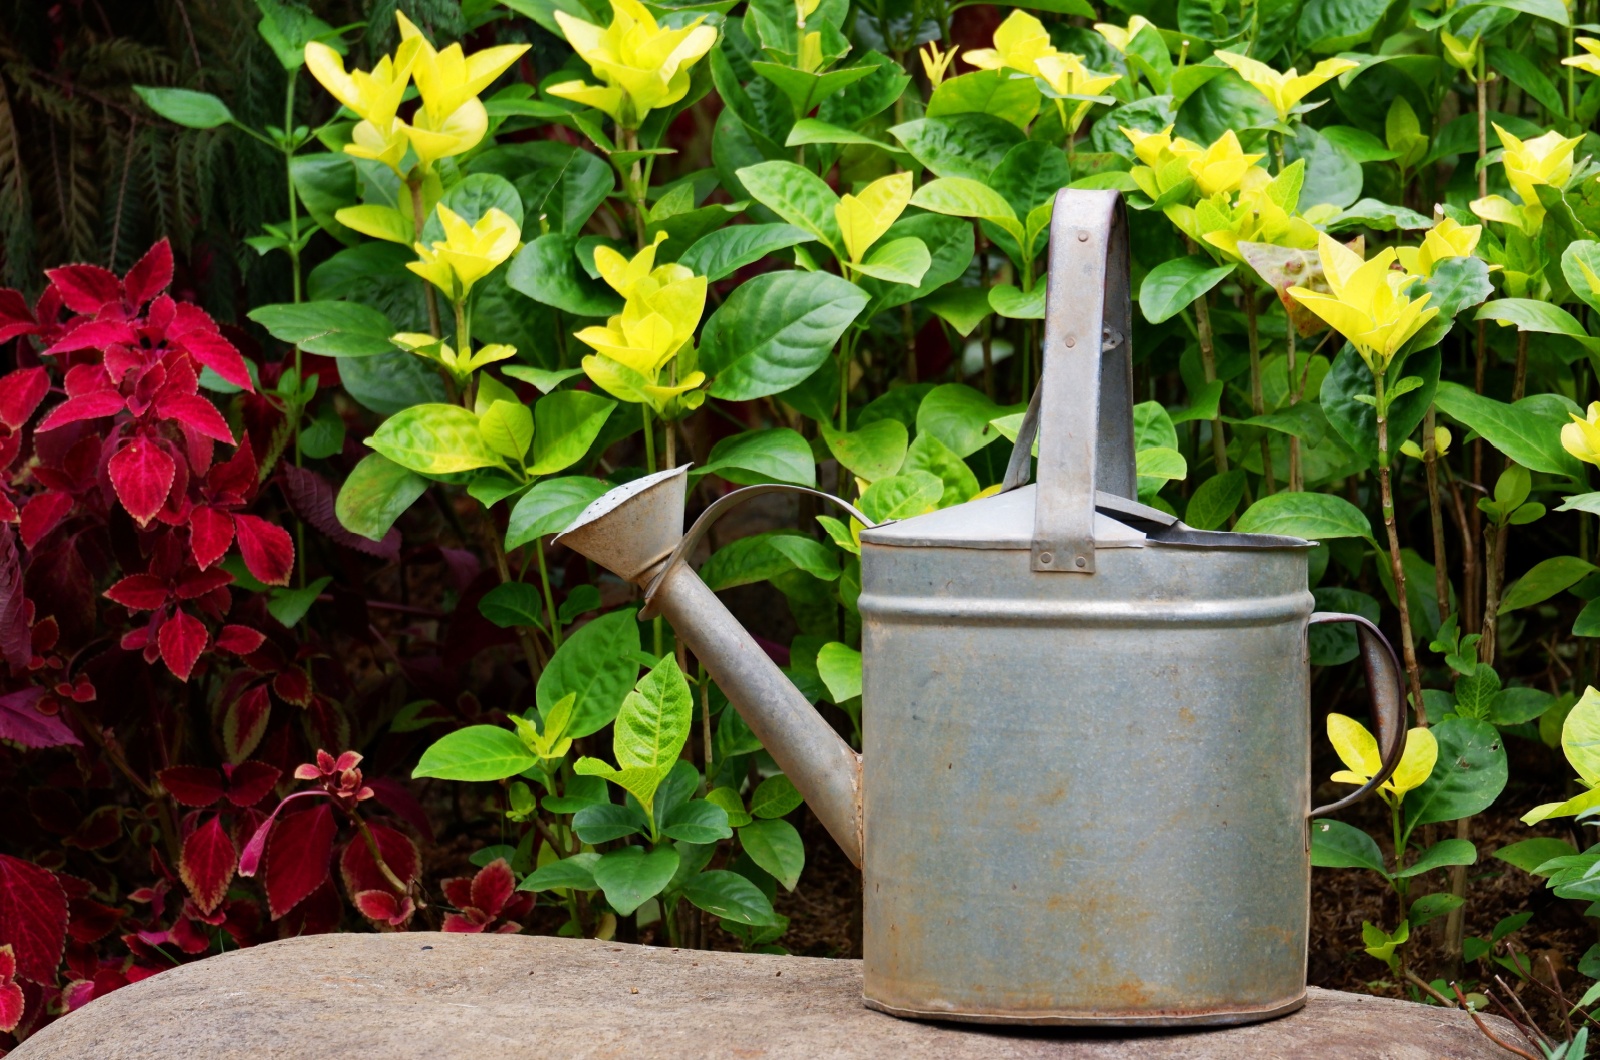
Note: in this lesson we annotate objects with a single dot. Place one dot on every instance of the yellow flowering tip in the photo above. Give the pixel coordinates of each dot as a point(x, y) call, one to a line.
point(1358, 750)
point(1589, 63)
point(1366, 302)
point(386, 144)
point(1284, 90)
point(375, 96)
point(864, 218)
point(459, 133)
point(1149, 148)
point(469, 252)
point(804, 9)
point(936, 63)
point(1581, 437)
point(621, 273)
point(1462, 54)
point(1545, 159)
point(1019, 43)
point(1066, 75)
point(1447, 239)
point(1221, 167)
point(1119, 37)
point(646, 63)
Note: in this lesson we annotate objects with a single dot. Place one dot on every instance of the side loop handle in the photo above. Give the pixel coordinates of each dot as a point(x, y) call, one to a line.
point(1388, 702)
point(716, 510)
point(1083, 408)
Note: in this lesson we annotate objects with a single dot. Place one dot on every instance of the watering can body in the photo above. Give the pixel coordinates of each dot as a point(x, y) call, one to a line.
point(1084, 784)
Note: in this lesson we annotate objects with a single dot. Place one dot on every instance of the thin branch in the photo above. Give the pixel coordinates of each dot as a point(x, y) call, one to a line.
point(1484, 1027)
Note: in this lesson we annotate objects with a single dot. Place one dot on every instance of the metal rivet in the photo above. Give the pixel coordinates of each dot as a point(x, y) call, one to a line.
point(1046, 558)
point(1083, 235)
point(1082, 562)
point(1071, 340)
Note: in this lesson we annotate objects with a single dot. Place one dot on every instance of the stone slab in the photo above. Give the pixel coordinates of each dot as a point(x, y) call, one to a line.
point(508, 997)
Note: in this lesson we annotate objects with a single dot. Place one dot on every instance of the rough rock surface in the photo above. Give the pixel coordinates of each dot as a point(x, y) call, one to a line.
point(510, 997)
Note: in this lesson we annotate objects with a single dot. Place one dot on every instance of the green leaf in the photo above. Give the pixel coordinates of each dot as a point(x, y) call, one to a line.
point(897, 261)
point(1357, 421)
point(815, 131)
point(960, 416)
point(1334, 644)
point(629, 876)
point(513, 604)
point(471, 199)
point(478, 752)
point(732, 806)
point(1014, 304)
point(566, 425)
point(326, 182)
point(950, 243)
point(1441, 854)
point(1514, 430)
point(774, 331)
point(1327, 26)
point(901, 496)
point(775, 797)
point(776, 847)
point(434, 440)
point(1170, 288)
point(1526, 75)
point(993, 92)
point(1528, 314)
point(806, 89)
point(560, 182)
point(1551, 10)
point(730, 896)
point(1468, 777)
point(798, 196)
point(696, 821)
point(1547, 578)
point(1161, 463)
point(569, 874)
point(929, 454)
point(1313, 516)
point(605, 821)
point(765, 556)
point(1432, 906)
point(654, 720)
point(375, 494)
point(550, 507)
point(965, 197)
point(777, 454)
point(547, 271)
point(872, 452)
point(1215, 500)
point(289, 606)
point(1336, 845)
point(963, 308)
point(839, 666)
point(181, 106)
point(1529, 854)
point(1518, 705)
point(332, 329)
point(724, 252)
point(323, 436)
point(1580, 266)
point(543, 379)
point(596, 665)
point(961, 145)
point(507, 427)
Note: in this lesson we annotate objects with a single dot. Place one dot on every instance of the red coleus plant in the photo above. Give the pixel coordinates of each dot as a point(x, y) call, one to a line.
point(488, 902)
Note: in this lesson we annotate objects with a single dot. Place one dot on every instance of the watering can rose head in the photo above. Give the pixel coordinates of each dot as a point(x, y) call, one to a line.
point(645, 66)
point(1366, 302)
point(1358, 750)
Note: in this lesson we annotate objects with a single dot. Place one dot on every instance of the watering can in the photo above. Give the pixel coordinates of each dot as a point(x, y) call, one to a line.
point(1084, 785)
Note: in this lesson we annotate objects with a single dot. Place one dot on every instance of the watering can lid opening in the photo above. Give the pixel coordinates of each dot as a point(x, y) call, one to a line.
point(1006, 521)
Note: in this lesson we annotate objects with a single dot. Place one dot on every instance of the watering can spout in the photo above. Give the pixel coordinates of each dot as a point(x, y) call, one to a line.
point(635, 531)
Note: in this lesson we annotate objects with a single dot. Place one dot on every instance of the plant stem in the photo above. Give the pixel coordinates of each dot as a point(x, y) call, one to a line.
point(549, 597)
point(491, 538)
point(1258, 403)
point(649, 441)
point(294, 279)
point(418, 219)
point(1208, 361)
point(636, 187)
point(1296, 479)
point(1396, 567)
point(1483, 126)
point(377, 856)
point(1430, 462)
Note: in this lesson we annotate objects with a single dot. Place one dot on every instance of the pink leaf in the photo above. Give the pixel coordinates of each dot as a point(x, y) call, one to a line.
point(492, 887)
point(196, 412)
point(196, 332)
point(210, 534)
point(455, 923)
point(93, 405)
point(85, 288)
point(15, 316)
point(192, 785)
point(41, 515)
point(33, 918)
point(11, 1006)
point(361, 873)
point(250, 782)
point(150, 275)
point(95, 335)
point(298, 855)
point(207, 864)
point(20, 394)
point(142, 475)
point(246, 722)
point(268, 550)
point(21, 721)
point(182, 639)
point(240, 640)
point(384, 908)
point(139, 592)
point(16, 641)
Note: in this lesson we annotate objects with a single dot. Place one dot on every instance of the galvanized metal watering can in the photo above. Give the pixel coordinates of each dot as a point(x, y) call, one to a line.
point(1084, 788)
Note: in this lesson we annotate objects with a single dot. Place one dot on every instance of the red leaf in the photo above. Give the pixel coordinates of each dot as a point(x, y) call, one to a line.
point(268, 550)
point(150, 275)
point(210, 534)
point(298, 854)
point(456, 924)
point(16, 641)
point(492, 887)
point(20, 394)
point(400, 802)
point(142, 474)
point(250, 782)
point(85, 288)
point(182, 639)
point(15, 316)
point(457, 891)
point(246, 722)
point(96, 335)
point(41, 515)
point(234, 480)
point(241, 640)
point(11, 1006)
point(21, 721)
point(91, 921)
point(313, 498)
point(33, 918)
point(196, 584)
point(93, 405)
point(293, 686)
point(250, 856)
point(192, 785)
point(361, 873)
point(207, 864)
point(139, 592)
point(196, 412)
point(196, 332)
point(384, 908)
